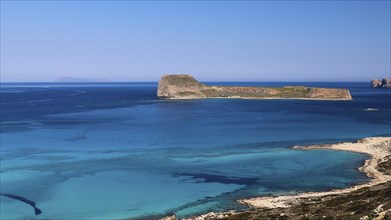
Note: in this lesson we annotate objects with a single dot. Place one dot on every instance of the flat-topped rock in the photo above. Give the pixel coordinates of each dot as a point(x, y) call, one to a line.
point(384, 83)
point(184, 86)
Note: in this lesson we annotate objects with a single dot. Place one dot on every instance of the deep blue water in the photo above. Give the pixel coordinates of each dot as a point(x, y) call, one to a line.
point(116, 151)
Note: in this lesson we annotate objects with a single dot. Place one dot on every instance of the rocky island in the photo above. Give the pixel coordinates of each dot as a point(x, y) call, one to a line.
point(384, 83)
point(184, 86)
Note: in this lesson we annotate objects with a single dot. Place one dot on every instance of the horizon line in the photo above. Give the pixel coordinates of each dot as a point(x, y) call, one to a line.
point(206, 81)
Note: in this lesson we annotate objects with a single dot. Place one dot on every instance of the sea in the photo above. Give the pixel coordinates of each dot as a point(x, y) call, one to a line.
point(117, 151)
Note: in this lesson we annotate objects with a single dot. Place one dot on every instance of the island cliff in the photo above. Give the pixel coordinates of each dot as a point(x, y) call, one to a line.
point(184, 86)
point(384, 83)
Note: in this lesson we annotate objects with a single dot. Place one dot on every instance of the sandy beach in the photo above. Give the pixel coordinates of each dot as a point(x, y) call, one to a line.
point(379, 148)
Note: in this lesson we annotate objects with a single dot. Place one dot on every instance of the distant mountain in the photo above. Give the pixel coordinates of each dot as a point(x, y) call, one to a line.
point(78, 79)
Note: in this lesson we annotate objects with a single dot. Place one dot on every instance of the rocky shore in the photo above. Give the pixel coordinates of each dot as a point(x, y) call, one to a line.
point(371, 200)
point(184, 86)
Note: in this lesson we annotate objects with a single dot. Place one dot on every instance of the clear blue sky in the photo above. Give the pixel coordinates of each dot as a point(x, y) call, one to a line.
point(224, 41)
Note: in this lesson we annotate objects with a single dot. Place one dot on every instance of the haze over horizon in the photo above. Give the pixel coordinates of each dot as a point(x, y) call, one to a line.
point(214, 41)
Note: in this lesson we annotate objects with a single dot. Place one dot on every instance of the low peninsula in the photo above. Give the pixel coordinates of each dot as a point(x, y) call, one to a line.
point(184, 86)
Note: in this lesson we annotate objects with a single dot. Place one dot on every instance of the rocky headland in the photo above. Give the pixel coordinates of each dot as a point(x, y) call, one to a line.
point(184, 86)
point(384, 83)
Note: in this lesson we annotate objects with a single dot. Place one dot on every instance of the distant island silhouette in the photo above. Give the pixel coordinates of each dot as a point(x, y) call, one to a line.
point(78, 79)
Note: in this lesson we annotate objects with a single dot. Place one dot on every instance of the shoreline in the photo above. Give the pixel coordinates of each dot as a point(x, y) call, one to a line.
point(257, 98)
point(379, 150)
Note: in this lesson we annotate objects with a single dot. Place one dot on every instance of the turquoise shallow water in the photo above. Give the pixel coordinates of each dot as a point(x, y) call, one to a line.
point(116, 151)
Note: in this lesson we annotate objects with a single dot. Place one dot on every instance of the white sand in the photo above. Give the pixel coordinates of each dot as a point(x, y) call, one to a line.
point(377, 147)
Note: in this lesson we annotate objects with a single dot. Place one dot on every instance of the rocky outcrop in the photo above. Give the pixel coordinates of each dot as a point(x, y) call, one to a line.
point(384, 83)
point(184, 86)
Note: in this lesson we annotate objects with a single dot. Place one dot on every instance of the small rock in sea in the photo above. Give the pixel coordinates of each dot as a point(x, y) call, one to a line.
point(384, 83)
